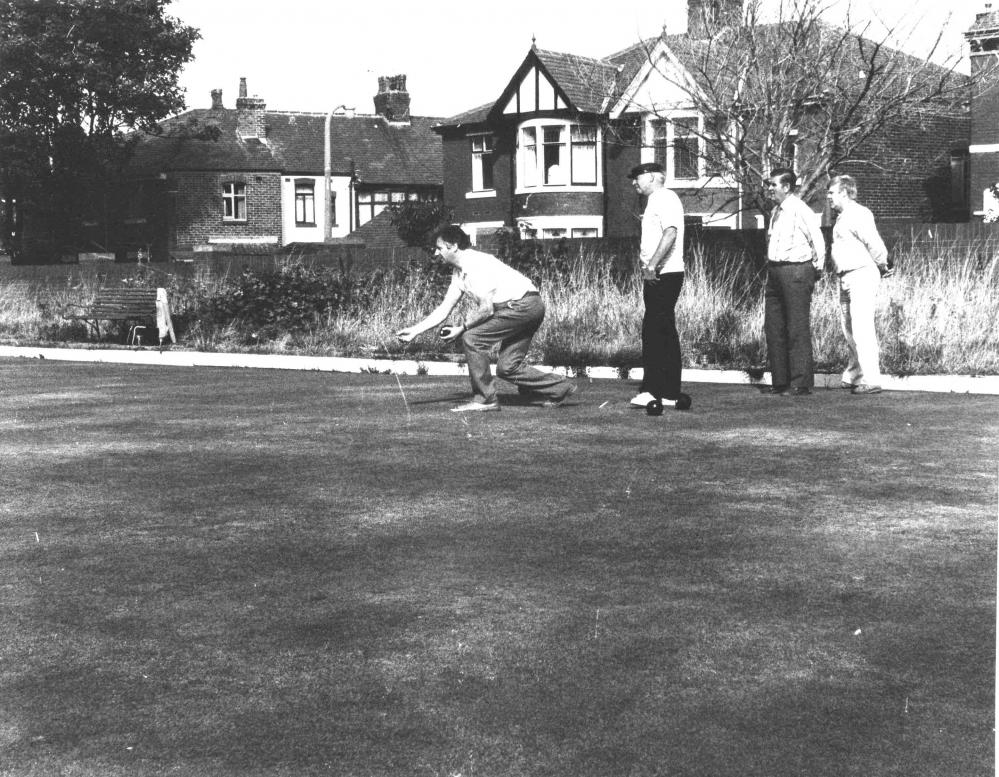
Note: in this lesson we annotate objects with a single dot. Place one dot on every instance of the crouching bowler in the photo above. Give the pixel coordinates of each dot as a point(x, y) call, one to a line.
point(508, 311)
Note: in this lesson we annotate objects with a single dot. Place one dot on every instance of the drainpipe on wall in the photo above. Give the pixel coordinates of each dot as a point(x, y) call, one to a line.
point(327, 177)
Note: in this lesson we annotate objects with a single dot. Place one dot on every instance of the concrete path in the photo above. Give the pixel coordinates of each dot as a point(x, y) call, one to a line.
point(175, 357)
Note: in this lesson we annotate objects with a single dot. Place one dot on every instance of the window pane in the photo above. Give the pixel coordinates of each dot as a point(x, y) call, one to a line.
point(528, 157)
point(714, 151)
point(398, 196)
point(584, 155)
point(552, 232)
point(486, 170)
point(660, 143)
point(305, 203)
point(482, 163)
point(584, 232)
point(685, 148)
point(554, 169)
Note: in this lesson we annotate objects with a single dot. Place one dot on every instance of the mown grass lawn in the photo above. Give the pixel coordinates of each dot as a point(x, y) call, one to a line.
point(212, 572)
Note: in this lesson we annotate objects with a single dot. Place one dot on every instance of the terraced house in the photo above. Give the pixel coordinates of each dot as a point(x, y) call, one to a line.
point(549, 156)
point(223, 176)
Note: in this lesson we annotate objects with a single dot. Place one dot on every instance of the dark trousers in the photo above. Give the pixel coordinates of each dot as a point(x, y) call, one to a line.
point(787, 324)
point(661, 361)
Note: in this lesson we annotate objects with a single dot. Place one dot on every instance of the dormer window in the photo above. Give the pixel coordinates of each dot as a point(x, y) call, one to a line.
point(556, 154)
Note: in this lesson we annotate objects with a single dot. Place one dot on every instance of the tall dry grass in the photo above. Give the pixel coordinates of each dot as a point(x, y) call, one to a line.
point(938, 314)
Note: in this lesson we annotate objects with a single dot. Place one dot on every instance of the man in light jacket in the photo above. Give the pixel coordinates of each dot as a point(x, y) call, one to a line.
point(860, 259)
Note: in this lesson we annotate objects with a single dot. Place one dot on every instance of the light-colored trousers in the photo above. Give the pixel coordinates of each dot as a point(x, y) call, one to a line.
point(858, 291)
point(512, 327)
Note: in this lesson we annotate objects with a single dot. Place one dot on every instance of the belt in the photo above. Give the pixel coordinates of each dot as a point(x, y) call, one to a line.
point(504, 305)
point(789, 264)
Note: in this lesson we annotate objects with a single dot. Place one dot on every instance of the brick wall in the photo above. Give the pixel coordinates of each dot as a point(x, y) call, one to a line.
point(908, 173)
point(197, 207)
point(458, 181)
point(623, 206)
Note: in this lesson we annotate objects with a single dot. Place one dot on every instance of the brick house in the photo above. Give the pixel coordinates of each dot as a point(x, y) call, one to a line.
point(551, 154)
point(217, 177)
point(983, 40)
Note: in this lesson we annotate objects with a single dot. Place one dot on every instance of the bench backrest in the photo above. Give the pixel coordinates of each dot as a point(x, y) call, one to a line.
point(124, 303)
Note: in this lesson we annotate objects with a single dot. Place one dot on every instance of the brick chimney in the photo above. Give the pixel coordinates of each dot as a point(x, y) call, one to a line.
point(217, 100)
point(392, 100)
point(706, 17)
point(250, 121)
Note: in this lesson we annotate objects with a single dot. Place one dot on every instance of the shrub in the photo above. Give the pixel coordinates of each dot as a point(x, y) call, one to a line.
point(291, 299)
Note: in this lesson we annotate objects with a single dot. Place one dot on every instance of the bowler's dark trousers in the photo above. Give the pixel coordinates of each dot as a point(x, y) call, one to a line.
point(787, 323)
point(661, 363)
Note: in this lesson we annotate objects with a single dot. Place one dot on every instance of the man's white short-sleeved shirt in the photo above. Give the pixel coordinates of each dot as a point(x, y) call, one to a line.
point(486, 278)
point(662, 211)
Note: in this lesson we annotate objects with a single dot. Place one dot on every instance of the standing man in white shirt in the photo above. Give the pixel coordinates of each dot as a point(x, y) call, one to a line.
point(660, 261)
point(508, 312)
point(796, 254)
point(861, 260)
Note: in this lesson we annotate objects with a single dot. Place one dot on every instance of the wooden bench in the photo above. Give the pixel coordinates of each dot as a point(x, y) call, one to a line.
point(124, 304)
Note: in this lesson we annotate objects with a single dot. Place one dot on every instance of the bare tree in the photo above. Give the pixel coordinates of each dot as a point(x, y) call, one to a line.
point(795, 89)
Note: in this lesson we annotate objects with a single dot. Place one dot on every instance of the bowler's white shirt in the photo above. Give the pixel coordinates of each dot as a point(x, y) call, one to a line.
point(486, 279)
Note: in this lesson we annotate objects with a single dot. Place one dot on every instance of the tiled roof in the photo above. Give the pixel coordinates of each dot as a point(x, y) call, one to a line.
point(588, 82)
point(379, 232)
point(382, 152)
point(987, 21)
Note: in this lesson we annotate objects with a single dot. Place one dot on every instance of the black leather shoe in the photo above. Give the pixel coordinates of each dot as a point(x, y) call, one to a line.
point(683, 402)
point(778, 391)
point(801, 391)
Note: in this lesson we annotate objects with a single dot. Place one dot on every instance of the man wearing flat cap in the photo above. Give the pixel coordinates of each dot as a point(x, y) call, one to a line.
point(660, 261)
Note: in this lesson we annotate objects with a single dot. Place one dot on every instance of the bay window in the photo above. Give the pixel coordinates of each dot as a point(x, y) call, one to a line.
point(691, 148)
point(553, 153)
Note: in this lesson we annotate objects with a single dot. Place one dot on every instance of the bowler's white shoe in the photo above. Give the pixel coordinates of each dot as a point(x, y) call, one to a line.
point(641, 400)
point(476, 406)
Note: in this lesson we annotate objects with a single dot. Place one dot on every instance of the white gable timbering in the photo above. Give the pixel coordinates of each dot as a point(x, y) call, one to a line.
point(535, 93)
point(655, 88)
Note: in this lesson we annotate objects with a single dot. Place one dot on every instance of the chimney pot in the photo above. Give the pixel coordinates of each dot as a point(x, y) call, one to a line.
point(242, 86)
point(217, 99)
point(392, 100)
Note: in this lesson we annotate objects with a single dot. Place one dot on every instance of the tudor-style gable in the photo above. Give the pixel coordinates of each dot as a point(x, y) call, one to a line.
point(532, 90)
point(550, 155)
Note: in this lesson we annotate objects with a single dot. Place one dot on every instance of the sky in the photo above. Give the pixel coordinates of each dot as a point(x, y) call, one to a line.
point(315, 55)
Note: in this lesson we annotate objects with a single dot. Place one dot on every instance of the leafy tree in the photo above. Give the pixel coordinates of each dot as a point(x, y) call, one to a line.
point(417, 220)
point(77, 75)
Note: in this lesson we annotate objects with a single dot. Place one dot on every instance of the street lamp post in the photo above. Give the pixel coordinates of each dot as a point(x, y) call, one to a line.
point(327, 177)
